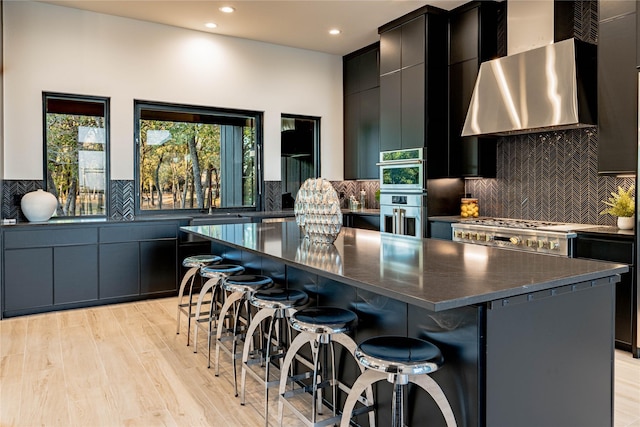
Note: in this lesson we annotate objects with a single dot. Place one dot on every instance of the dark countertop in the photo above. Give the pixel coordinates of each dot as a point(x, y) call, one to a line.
point(430, 273)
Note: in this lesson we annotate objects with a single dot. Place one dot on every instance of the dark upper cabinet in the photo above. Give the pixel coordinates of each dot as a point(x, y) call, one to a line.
point(413, 42)
point(391, 50)
point(390, 111)
point(617, 88)
point(413, 81)
point(472, 39)
point(361, 113)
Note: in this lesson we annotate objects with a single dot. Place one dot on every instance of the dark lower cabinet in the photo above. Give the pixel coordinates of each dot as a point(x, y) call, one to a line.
point(367, 222)
point(440, 230)
point(75, 274)
point(158, 266)
point(28, 276)
point(57, 266)
point(617, 248)
point(119, 270)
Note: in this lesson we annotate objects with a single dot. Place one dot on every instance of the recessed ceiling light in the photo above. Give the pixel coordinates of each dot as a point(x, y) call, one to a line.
point(334, 32)
point(210, 25)
point(226, 9)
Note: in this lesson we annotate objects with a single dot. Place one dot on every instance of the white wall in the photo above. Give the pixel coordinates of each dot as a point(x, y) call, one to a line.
point(59, 49)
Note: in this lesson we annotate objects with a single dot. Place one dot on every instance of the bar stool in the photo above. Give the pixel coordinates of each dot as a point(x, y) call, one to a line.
point(399, 360)
point(274, 305)
point(205, 320)
point(317, 326)
point(194, 263)
point(239, 289)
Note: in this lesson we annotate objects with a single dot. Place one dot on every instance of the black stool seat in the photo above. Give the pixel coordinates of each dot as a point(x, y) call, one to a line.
point(201, 260)
point(279, 298)
point(246, 283)
point(324, 320)
point(397, 354)
point(213, 271)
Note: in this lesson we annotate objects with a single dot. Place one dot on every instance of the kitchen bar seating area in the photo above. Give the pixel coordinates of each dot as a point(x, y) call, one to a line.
point(372, 213)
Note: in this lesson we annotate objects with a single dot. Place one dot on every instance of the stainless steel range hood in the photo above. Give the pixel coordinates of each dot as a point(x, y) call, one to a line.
point(548, 88)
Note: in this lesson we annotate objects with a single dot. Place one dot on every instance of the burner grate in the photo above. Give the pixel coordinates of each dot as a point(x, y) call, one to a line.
point(510, 223)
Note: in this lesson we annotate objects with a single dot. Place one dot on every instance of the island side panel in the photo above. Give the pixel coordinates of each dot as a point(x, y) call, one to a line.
point(550, 358)
point(458, 334)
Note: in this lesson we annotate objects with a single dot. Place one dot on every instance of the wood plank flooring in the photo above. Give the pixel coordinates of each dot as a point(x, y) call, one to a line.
point(124, 365)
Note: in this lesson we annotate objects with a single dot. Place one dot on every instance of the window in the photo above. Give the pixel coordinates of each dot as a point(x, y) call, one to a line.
point(196, 158)
point(76, 135)
point(299, 153)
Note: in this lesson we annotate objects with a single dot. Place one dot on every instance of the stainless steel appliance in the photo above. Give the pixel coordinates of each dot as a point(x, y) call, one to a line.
point(403, 214)
point(532, 236)
point(403, 170)
point(403, 193)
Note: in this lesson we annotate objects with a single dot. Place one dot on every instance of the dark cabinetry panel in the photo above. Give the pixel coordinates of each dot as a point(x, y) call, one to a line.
point(361, 113)
point(75, 274)
point(412, 113)
point(158, 266)
point(473, 39)
point(367, 222)
point(119, 267)
point(413, 83)
point(413, 42)
point(28, 278)
point(440, 230)
point(390, 110)
point(617, 88)
point(50, 267)
point(617, 250)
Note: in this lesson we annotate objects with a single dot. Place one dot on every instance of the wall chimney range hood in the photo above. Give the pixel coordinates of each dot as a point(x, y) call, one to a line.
point(548, 88)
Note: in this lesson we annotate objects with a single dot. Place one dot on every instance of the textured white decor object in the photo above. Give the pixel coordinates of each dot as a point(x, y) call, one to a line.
point(317, 210)
point(39, 205)
point(626, 222)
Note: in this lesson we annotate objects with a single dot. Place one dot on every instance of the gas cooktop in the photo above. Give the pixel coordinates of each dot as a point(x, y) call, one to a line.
point(527, 224)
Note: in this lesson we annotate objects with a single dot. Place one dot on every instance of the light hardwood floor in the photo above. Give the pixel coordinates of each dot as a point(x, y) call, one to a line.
point(124, 365)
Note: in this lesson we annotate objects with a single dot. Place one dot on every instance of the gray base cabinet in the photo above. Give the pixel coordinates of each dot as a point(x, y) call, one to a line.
point(56, 266)
point(29, 272)
point(119, 267)
point(75, 274)
point(617, 248)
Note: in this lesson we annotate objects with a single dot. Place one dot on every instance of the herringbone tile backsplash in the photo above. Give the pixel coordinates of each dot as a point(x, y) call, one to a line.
point(548, 177)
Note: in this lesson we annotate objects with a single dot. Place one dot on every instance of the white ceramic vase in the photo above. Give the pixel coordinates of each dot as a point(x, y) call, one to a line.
point(626, 222)
point(39, 205)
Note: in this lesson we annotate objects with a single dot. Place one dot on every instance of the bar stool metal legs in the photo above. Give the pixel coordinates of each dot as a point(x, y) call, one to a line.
point(399, 360)
point(318, 327)
point(207, 320)
point(186, 307)
point(239, 289)
point(274, 305)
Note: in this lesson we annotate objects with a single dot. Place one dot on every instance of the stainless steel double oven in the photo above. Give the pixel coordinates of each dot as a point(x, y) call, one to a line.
point(403, 194)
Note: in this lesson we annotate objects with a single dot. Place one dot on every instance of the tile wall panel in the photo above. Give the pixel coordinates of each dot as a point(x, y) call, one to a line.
point(549, 176)
point(272, 195)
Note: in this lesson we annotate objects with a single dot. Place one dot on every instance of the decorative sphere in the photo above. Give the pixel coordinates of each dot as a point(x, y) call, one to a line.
point(39, 205)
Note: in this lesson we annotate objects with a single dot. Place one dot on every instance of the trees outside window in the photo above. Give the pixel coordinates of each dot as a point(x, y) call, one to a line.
point(76, 135)
point(195, 158)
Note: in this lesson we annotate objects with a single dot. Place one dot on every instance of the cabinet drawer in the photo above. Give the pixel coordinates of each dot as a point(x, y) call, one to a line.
point(49, 236)
point(135, 233)
point(605, 250)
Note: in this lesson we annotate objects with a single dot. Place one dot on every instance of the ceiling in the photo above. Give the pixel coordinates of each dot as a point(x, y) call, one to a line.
point(296, 23)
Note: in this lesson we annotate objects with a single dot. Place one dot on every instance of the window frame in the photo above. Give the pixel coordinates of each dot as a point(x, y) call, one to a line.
point(139, 104)
point(107, 145)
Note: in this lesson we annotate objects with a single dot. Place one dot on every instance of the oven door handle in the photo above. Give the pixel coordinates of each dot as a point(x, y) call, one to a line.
point(401, 215)
point(400, 162)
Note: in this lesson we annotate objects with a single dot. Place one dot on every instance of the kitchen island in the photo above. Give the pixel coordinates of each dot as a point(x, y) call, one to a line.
point(527, 338)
